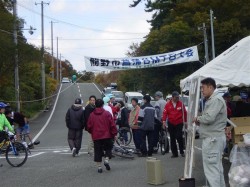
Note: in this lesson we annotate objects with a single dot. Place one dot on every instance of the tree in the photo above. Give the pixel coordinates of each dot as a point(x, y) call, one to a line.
point(174, 26)
point(29, 66)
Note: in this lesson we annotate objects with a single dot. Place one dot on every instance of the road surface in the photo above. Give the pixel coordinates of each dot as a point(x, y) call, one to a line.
point(51, 163)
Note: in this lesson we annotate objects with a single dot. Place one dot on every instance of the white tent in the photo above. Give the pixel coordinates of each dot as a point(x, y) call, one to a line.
point(231, 68)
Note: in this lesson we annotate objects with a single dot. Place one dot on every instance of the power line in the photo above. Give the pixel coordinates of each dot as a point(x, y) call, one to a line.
point(93, 39)
point(78, 26)
point(37, 100)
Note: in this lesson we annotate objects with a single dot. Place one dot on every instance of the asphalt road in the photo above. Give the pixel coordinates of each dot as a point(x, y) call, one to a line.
point(51, 162)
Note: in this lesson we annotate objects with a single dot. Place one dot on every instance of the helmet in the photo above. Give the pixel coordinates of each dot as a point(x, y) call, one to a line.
point(111, 96)
point(78, 101)
point(2, 105)
point(106, 100)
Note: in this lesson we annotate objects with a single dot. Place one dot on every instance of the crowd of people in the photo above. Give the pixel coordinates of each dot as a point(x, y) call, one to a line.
point(102, 117)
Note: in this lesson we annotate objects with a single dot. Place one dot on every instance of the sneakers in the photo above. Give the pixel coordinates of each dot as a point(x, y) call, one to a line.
point(99, 170)
point(137, 151)
point(106, 164)
point(155, 149)
point(74, 152)
point(31, 146)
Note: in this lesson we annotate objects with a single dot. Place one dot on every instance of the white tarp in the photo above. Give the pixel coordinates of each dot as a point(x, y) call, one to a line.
point(106, 64)
point(231, 68)
point(192, 112)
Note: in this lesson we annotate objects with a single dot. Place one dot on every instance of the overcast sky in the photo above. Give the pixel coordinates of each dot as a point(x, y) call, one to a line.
point(96, 28)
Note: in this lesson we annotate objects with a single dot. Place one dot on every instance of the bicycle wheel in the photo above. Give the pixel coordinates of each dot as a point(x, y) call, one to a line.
point(129, 149)
point(164, 144)
point(123, 154)
point(16, 154)
point(124, 136)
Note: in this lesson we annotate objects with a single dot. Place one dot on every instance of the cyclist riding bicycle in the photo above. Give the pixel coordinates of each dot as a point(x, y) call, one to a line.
point(23, 125)
point(74, 79)
point(4, 122)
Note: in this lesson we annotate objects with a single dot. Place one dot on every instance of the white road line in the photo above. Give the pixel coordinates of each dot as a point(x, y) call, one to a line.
point(80, 95)
point(37, 154)
point(97, 88)
point(198, 148)
point(55, 149)
point(81, 153)
point(46, 124)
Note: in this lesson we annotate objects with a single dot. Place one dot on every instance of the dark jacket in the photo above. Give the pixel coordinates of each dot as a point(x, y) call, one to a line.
point(101, 125)
point(75, 117)
point(88, 110)
point(122, 120)
point(19, 119)
point(147, 115)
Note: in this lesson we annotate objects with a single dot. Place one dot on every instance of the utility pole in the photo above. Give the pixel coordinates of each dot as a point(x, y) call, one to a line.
point(42, 51)
point(203, 28)
point(52, 59)
point(57, 68)
point(17, 91)
point(60, 68)
point(212, 32)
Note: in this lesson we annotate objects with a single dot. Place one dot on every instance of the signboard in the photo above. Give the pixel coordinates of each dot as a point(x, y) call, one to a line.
point(106, 64)
point(194, 95)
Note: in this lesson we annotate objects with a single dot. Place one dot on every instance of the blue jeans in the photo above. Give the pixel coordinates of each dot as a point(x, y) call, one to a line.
point(124, 134)
point(137, 138)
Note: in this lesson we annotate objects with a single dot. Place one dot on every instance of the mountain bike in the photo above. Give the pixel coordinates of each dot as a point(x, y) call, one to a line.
point(124, 136)
point(163, 141)
point(15, 152)
point(123, 151)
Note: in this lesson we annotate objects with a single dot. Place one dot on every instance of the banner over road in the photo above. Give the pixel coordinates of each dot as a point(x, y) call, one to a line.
point(108, 64)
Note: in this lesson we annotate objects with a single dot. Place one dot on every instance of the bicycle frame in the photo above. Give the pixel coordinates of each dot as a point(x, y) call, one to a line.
point(14, 151)
point(8, 142)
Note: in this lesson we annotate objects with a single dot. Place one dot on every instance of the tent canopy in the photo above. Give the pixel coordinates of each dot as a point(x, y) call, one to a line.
point(231, 68)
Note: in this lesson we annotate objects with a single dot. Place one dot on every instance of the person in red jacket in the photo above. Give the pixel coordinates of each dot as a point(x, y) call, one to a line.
point(173, 112)
point(103, 130)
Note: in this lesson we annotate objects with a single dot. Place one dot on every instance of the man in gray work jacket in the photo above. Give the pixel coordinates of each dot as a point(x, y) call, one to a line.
point(159, 107)
point(212, 131)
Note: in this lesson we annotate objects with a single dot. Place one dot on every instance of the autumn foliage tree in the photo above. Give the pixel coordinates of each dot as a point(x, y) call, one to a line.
point(29, 58)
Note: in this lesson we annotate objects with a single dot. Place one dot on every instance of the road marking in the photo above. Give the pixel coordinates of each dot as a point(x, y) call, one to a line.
point(37, 154)
point(51, 114)
point(198, 148)
point(81, 153)
point(97, 88)
point(80, 95)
